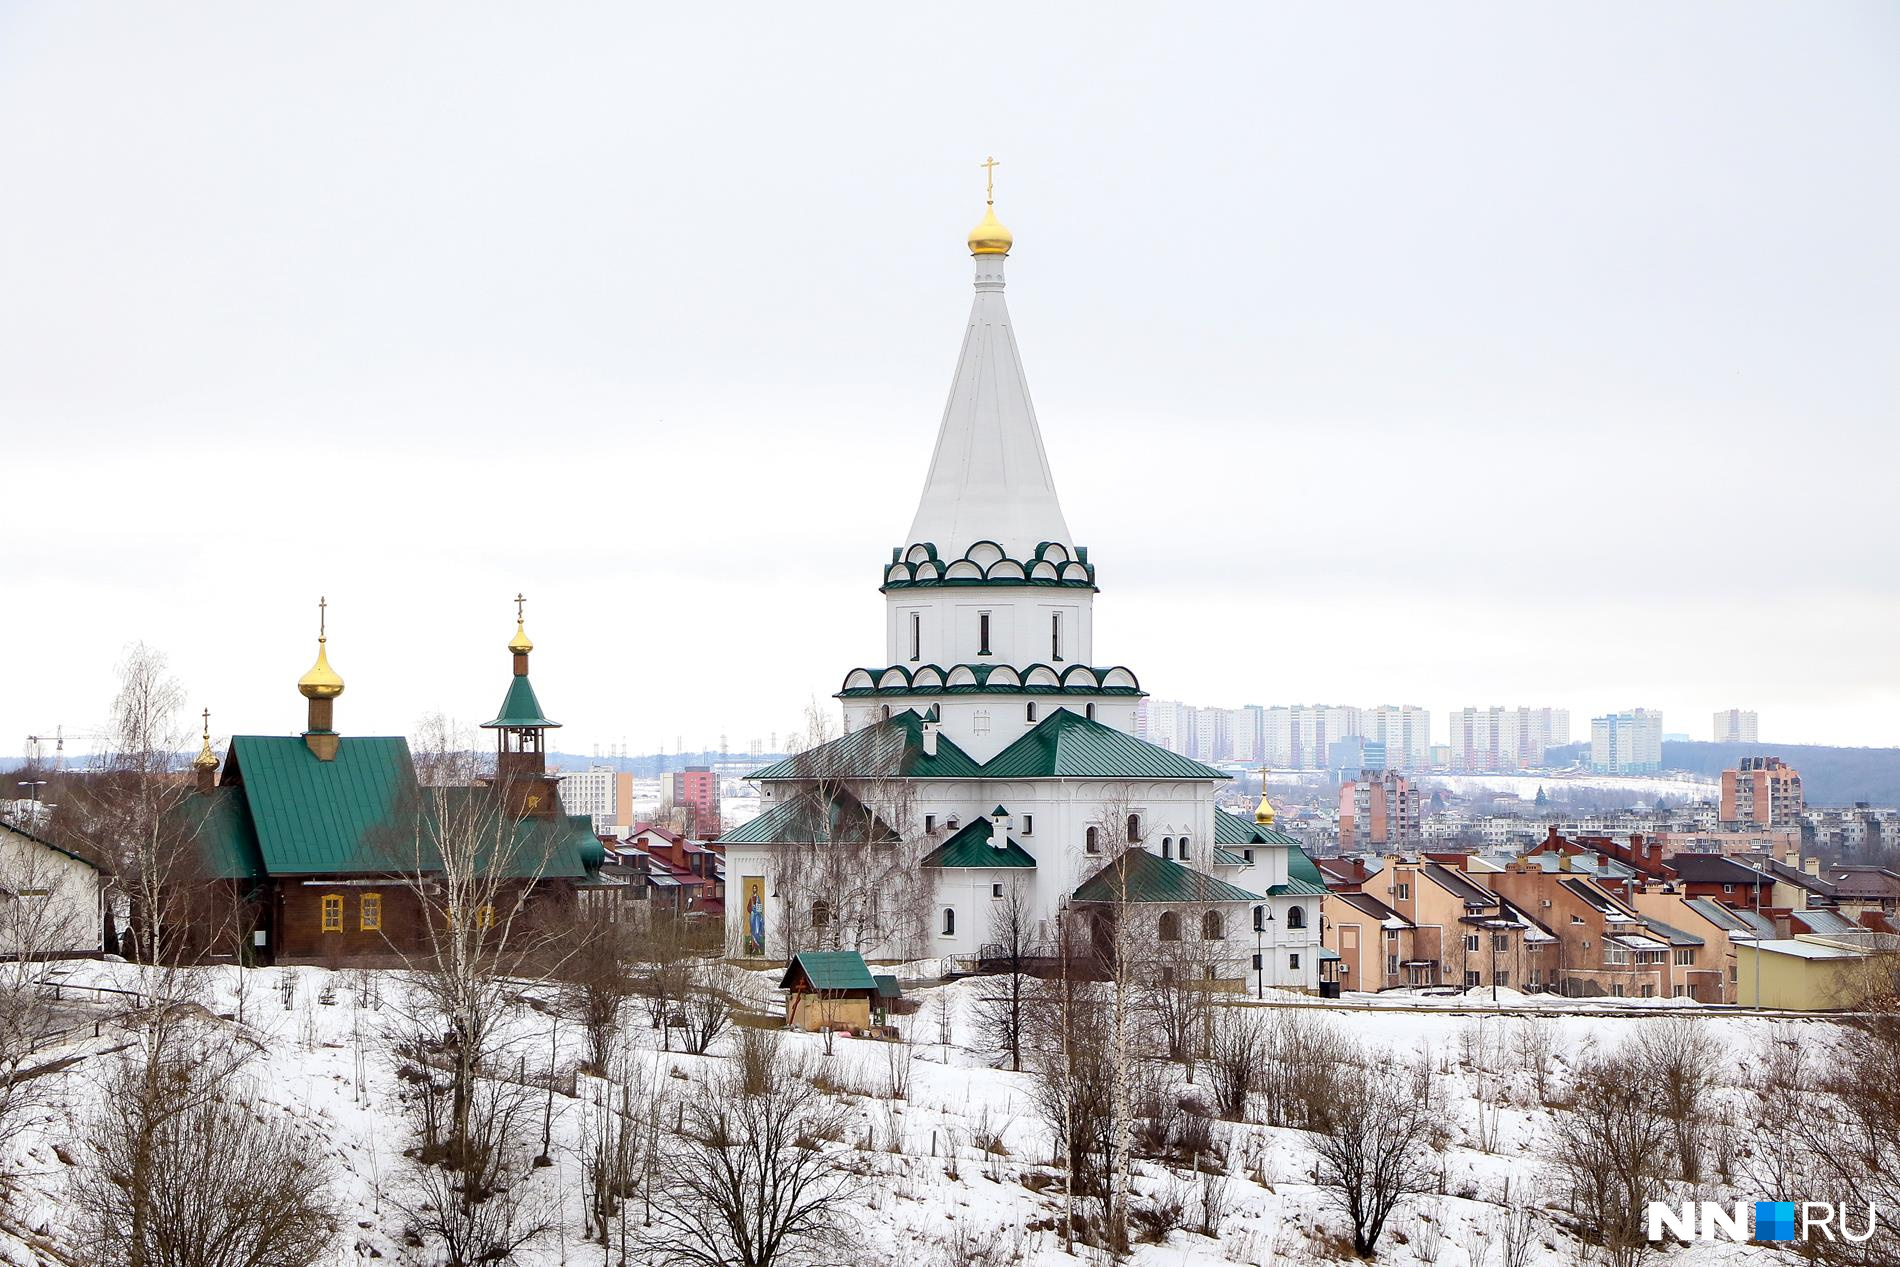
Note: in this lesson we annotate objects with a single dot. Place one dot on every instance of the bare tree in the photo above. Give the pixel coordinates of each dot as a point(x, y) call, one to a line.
point(747, 1180)
point(597, 984)
point(1680, 1059)
point(616, 1144)
point(705, 1008)
point(1004, 997)
point(1612, 1150)
point(1239, 1059)
point(184, 1171)
point(1371, 1139)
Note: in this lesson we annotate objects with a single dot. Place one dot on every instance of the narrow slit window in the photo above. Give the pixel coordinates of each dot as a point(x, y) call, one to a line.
point(916, 637)
point(1055, 635)
point(982, 633)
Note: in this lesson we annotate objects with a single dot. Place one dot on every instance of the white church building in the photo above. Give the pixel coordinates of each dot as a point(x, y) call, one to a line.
point(988, 768)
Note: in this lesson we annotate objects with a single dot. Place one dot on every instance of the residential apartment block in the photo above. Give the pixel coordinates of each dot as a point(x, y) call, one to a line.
point(1626, 743)
point(1736, 725)
point(1762, 792)
point(1496, 739)
point(1379, 811)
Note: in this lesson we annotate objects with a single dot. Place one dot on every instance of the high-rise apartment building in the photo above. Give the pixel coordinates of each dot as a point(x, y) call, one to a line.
point(1762, 792)
point(1406, 732)
point(1245, 732)
point(1379, 811)
point(696, 791)
point(1736, 725)
point(602, 793)
point(1626, 743)
point(1297, 737)
point(1506, 738)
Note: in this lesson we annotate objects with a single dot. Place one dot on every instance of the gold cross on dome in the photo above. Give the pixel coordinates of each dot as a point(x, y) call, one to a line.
point(323, 615)
point(519, 600)
point(207, 725)
point(989, 166)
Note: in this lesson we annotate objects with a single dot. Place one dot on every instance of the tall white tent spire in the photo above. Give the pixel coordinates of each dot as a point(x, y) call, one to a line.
point(989, 478)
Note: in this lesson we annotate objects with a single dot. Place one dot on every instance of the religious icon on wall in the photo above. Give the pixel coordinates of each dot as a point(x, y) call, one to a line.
point(752, 891)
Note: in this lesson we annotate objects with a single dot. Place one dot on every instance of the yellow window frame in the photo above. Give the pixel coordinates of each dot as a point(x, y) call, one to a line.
point(370, 913)
point(333, 912)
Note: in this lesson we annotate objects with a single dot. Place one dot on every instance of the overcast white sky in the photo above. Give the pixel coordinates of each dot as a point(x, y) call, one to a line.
point(1433, 354)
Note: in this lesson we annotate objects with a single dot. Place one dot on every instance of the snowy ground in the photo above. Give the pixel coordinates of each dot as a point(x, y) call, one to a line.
point(936, 1197)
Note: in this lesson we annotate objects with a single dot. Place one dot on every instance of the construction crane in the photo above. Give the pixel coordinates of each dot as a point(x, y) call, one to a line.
point(36, 745)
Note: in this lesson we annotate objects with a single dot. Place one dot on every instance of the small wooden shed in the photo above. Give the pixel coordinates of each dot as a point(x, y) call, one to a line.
point(828, 989)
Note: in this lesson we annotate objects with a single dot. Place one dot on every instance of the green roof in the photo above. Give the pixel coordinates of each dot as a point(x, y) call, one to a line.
point(892, 748)
point(887, 987)
point(830, 970)
point(1296, 888)
point(356, 813)
point(520, 708)
point(1301, 867)
point(970, 847)
point(221, 824)
point(1228, 858)
point(798, 820)
point(1066, 745)
point(1152, 878)
point(282, 812)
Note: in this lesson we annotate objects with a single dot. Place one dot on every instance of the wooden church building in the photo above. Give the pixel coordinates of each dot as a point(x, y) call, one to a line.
point(328, 848)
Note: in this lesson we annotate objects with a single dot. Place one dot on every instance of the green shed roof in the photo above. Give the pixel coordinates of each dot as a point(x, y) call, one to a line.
point(1301, 867)
point(887, 987)
point(829, 970)
point(1067, 745)
point(1297, 888)
point(520, 708)
point(889, 749)
point(1152, 878)
point(969, 846)
point(1228, 858)
point(221, 824)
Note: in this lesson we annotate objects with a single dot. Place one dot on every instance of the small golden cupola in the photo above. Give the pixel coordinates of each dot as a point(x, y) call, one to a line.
point(205, 764)
point(321, 685)
point(1263, 813)
point(989, 237)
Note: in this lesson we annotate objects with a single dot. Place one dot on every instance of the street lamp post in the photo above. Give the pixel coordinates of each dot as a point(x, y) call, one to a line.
point(33, 787)
point(1263, 915)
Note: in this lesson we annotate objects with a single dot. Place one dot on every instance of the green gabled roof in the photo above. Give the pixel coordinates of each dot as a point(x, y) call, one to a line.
point(803, 820)
point(1152, 878)
point(1067, 745)
point(520, 708)
point(356, 813)
point(889, 749)
point(830, 970)
point(1228, 858)
point(969, 846)
point(364, 813)
point(1233, 829)
point(221, 824)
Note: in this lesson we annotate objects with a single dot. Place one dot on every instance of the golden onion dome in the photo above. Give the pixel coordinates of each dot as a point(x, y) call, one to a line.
point(990, 237)
point(206, 759)
point(520, 643)
point(322, 681)
point(1263, 814)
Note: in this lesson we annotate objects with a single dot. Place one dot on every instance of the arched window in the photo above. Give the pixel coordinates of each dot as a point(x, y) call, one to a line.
point(1134, 829)
point(821, 914)
point(1169, 926)
point(887, 712)
point(1167, 846)
point(1296, 917)
point(1029, 711)
point(1259, 919)
point(1094, 843)
point(1088, 711)
point(949, 921)
point(1184, 848)
point(1213, 928)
